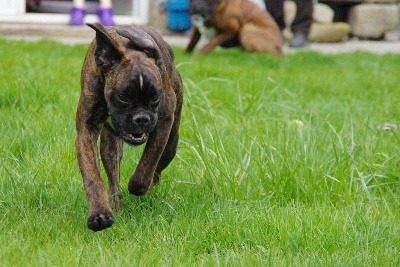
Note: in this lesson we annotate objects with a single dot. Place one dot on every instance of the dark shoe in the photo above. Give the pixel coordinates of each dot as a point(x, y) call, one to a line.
point(106, 16)
point(77, 16)
point(299, 40)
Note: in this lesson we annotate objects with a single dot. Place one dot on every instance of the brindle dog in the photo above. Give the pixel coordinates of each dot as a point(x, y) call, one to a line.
point(131, 93)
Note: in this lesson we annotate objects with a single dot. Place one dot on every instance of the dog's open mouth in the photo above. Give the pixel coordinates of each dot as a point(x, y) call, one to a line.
point(134, 139)
point(129, 138)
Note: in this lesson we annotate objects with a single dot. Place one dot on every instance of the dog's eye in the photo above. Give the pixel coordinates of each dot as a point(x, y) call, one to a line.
point(155, 100)
point(123, 98)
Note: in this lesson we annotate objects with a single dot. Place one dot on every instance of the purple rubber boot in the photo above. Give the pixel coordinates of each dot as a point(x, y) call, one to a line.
point(77, 16)
point(106, 16)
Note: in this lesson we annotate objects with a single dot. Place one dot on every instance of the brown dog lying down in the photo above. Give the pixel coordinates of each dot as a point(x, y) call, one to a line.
point(235, 23)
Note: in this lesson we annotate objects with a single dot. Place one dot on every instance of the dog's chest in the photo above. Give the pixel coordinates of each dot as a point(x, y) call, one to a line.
point(208, 32)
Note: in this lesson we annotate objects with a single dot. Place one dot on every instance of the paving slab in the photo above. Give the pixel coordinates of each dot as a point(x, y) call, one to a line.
point(81, 35)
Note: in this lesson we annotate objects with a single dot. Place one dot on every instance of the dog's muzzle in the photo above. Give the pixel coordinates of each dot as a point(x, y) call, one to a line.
point(133, 139)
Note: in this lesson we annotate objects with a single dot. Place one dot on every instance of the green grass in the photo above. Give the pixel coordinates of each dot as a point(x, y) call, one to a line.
point(281, 162)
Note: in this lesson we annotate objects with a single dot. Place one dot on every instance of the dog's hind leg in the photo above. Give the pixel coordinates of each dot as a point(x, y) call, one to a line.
point(254, 38)
point(111, 150)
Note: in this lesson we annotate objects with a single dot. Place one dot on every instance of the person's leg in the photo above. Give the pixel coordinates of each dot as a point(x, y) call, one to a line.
point(105, 13)
point(79, 3)
point(78, 13)
point(275, 8)
point(301, 24)
point(304, 16)
point(105, 3)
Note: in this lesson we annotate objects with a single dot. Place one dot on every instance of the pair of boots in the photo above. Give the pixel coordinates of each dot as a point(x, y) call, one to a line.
point(78, 15)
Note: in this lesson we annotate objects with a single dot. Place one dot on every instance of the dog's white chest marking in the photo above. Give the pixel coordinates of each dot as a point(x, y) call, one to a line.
point(198, 21)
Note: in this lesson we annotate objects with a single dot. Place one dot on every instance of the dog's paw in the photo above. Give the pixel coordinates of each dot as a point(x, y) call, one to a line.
point(100, 221)
point(137, 188)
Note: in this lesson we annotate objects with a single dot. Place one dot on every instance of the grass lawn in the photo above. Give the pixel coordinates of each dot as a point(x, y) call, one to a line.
point(281, 162)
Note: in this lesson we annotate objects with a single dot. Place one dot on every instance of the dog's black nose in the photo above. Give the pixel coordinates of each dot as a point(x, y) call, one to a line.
point(141, 120)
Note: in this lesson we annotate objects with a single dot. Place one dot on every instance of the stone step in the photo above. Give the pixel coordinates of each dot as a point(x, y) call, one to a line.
point(372, 21)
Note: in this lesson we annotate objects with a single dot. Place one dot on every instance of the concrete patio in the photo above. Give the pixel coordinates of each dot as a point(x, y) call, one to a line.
point(78, 35)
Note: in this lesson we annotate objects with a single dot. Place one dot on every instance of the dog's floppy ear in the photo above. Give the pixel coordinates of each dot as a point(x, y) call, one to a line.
point(108, 49)
point(143, 43)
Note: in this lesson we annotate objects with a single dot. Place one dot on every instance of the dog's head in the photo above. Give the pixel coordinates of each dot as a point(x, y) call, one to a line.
point(203, 9)
point(129, 61)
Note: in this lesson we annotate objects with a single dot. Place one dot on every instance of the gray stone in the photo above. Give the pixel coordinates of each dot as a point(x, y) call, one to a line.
point(329, 32)
point(381, 1)
point(323, 13)
point(392, 36)
point(371, 21)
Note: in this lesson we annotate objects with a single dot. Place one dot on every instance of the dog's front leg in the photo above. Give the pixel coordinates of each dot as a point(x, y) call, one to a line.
point(194, 39)
point(219, 39)
point(170, 149)
point(100, 212)
point(143, 178)
point(111, 150)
